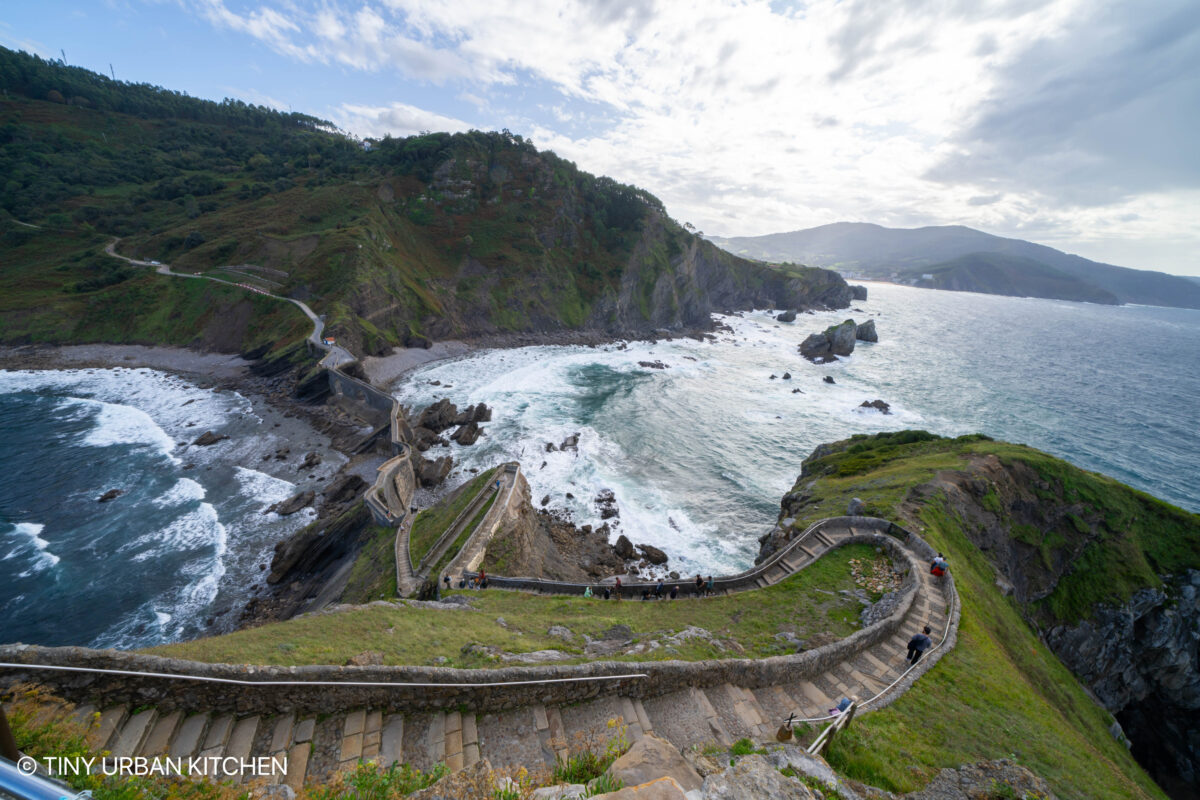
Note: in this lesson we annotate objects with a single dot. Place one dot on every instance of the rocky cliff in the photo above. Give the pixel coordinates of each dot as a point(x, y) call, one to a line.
point(1140, 659)
point(396, 243)
point(1050, 543)
point(1108, 577)
point(535, 544)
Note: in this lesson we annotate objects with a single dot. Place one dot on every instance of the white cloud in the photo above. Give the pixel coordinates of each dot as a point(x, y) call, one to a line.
point(747, 121)
point(397, 119)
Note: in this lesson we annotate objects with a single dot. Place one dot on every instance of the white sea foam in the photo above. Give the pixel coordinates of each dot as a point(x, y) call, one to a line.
point(38, 547)
point(174, 405)
point(119, 424)
point(184, 491)
point(261, 488)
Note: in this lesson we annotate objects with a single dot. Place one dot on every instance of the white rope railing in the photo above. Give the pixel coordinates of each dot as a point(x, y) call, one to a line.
point(390, 684)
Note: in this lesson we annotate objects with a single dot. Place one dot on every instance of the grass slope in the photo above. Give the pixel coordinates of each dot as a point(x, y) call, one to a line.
point(395, 241)
point(432, 522)
point(805, 604)
point(1000, 693)
point(373, 576)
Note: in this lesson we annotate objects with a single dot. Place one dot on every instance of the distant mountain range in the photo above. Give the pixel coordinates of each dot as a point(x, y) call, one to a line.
point(964, 259)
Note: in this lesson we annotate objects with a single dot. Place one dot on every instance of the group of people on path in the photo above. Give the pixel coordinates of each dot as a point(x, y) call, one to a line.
point(921, 642)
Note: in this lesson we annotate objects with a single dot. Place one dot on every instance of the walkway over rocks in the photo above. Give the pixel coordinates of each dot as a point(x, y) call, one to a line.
point(325, 719)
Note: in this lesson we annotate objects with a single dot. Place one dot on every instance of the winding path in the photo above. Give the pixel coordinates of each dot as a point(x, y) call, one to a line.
point(503, 715)
point(336, 355)
point(324, 719)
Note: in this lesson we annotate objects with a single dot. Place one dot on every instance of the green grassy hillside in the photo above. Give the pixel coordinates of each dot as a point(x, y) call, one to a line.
point(397, 241)
point(745, 624)
point(1001, 692)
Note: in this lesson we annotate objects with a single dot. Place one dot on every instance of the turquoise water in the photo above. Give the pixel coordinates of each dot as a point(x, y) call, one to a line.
point(700, 454)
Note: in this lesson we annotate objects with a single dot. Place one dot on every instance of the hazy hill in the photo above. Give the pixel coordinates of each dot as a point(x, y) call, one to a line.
point(396, 241)
point(998, 273)
point(880, 252)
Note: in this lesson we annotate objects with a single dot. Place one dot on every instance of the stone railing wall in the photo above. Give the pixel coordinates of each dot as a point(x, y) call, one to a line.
point(470, 556)
point(738, 582)
point(391, 494)
point(268, 689)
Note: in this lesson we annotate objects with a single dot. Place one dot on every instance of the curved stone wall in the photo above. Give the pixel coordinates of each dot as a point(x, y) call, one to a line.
point(274, 689)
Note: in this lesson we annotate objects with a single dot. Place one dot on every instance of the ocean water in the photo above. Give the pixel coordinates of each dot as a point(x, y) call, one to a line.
point(181, 545)
point(699, 454)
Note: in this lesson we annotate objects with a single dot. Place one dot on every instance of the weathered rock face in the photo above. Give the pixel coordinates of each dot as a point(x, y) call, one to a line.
point(653, 554)
point(432, 472)
point(1141, 660)
point(439, 416)
point(208, 438)
point(293, 504)
point(866, 332)
point(651, 758)
point(467, 434)
point(624, 547)
point(536, 543)
point(702, 279)
point(837, 340)
point(858, 293)
point(751, 778)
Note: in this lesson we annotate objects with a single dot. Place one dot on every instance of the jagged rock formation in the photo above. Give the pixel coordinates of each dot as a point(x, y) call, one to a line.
point(837, 340)
point(1140, 659)
point(536, 543)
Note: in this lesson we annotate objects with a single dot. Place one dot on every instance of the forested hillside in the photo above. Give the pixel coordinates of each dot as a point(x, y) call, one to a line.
point(397, 241)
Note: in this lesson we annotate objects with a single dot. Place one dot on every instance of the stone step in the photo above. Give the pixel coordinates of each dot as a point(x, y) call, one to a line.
point(680, 719)
point(425, 739)
point(730, 709)
point(110, 723)
point(509, 739)
point(818, 702)
point(298, 756)
point(84, 715)
point(159, 739)
point(281, 734)
point(452, 736)
point(373, 735)
point(218, 734)
point(133, 733)
point(629, 716)
point(470, 739)
point(241, 738)
point(391, 740)
point(189, 736)
point(352, 738)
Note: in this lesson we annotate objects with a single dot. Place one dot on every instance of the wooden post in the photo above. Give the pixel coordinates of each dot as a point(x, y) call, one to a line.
point(8, 745)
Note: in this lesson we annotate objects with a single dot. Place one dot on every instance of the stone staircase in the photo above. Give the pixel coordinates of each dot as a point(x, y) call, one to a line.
point(536, 735)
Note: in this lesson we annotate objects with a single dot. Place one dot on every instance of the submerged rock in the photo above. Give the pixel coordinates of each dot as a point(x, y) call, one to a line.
point(293, 504)
point(208, 438)
point(653, 554)
point(111, 494)
point(787, 316)
point(876, 404)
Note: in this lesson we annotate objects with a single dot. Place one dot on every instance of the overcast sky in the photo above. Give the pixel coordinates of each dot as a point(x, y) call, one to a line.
point(1072, 123)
